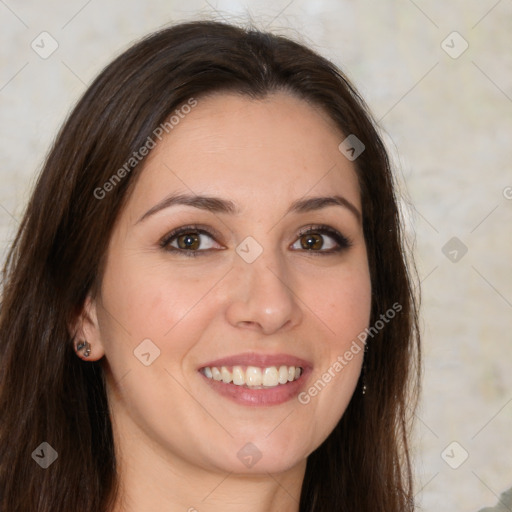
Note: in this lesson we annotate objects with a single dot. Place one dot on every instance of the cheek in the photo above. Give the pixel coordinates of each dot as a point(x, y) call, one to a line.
point(150, 300)
point(344, 305)
point(343, 302)
point(170, 308)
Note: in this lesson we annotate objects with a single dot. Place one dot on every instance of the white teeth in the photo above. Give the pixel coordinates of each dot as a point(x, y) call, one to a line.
point(238, 376)
point(254, 376)
point(226, 375)
point(283, 374)
point(270, 377)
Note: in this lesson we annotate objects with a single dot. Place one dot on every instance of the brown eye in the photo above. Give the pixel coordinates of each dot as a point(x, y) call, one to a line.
point(189, 241)
point(311, 241)
point(321, 239)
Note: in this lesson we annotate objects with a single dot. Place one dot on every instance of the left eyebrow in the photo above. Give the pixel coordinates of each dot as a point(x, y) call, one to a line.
point(316, 203)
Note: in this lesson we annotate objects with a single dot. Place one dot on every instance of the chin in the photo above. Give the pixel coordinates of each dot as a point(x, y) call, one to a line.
point(262, 457)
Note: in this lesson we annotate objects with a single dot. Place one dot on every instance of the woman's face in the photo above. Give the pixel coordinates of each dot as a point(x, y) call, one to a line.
point(260, 277)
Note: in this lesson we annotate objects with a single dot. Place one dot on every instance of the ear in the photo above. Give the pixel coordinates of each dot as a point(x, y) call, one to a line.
point(86, 328)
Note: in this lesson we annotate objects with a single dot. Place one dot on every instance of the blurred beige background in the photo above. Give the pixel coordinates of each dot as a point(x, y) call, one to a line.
point(438, 77)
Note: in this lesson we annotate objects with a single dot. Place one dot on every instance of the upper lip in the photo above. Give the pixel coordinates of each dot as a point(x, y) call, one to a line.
point(261, 360)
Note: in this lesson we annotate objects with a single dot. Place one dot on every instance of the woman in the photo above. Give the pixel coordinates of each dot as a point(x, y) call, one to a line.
point(207, 306)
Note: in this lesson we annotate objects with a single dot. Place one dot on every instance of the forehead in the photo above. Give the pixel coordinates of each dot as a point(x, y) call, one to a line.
point(269, 150)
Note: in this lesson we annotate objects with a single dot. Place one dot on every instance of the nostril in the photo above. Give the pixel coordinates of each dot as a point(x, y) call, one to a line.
point(249, 323)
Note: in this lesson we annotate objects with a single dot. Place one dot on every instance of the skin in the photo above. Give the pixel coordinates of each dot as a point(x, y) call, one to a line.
point(176, 439)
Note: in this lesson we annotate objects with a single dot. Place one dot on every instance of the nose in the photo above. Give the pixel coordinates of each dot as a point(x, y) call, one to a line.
point(261, 296)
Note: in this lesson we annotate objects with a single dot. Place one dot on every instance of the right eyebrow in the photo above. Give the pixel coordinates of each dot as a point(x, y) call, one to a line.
point(208, 203)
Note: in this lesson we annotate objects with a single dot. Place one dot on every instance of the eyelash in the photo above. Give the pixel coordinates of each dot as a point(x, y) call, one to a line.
point(321, 229)
point(342, 241)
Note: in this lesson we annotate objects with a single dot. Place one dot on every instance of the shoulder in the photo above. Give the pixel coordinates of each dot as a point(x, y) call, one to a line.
point(504, 503)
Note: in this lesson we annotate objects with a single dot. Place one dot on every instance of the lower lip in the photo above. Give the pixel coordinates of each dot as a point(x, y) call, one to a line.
point(258, 397)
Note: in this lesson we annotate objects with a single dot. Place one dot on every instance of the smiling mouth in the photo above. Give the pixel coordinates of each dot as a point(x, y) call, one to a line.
point(253, 377)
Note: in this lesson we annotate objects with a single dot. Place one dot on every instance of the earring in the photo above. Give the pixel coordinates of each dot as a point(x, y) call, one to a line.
point(84, 344)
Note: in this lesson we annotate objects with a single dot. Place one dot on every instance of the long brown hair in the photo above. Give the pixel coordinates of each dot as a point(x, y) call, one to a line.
point(47, 394)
